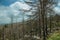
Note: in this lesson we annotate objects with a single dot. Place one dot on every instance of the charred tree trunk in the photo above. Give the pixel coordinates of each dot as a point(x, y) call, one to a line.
point(43, 4)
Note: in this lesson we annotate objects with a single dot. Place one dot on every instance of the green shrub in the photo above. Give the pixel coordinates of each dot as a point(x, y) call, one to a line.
point(55, 36)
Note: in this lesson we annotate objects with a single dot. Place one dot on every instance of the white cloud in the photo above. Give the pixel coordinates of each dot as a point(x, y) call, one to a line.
point(13, 10)
point(57, 9)
point(19, 6)
point(58, 4)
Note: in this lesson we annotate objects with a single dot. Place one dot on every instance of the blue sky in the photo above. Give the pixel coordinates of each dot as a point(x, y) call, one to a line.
point(7, 2)
point(11, 8)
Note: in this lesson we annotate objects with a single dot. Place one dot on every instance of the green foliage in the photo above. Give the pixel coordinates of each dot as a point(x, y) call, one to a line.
point(55, 36)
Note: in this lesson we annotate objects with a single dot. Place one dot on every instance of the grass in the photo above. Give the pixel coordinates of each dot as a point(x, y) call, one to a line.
point(55, 36)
